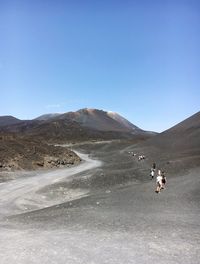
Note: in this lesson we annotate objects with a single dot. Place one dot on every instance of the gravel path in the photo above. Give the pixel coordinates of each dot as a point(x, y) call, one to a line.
point(22, 194)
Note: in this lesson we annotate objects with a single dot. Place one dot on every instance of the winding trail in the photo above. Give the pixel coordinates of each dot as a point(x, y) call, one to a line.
point(23, 190)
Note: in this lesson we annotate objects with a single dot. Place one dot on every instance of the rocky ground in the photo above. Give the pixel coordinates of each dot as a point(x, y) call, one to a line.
point(19, 153)
point(103, 212)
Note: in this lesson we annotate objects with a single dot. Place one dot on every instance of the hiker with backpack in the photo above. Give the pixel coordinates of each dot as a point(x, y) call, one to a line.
point(158, 182)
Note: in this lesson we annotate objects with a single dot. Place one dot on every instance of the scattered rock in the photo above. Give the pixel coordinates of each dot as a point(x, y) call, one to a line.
point(40, 163)
point(26, 153)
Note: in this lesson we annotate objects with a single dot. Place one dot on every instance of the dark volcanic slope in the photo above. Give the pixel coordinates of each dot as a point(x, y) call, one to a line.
point(8, 120)
point(47, 116)
point(63, 130)
point(183, 136)
point(22, 127)
point(179, 145)
point(101, 120)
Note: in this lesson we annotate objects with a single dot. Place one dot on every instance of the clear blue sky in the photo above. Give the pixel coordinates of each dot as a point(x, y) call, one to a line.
point(140, 58)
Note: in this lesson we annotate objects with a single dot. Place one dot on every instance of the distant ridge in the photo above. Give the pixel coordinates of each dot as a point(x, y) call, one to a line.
point(47, 116)
point(84, 124)
point(8, 120)
point(87, 117)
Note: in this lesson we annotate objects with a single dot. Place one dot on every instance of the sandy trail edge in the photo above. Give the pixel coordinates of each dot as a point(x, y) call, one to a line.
point(15, 193)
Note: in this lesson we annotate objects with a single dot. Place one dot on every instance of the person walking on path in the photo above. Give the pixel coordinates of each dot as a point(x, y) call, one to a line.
point(164, 180)
point(158, 182)
point(152, 173)
point(153, 169)
point(154, 166)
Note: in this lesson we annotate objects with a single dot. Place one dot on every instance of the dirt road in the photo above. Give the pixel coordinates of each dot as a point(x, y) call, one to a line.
point(22, 194)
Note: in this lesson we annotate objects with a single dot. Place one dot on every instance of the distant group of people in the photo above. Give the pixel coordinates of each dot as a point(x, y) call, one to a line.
point(160, 178)
point(140, 157)
point(132, 153)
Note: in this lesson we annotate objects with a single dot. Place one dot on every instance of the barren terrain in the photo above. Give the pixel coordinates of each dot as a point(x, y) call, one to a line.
point(102, 211)
point(17, 153)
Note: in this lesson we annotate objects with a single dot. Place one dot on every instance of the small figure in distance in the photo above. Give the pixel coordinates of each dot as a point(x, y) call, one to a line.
point(153, 169)
point(154, 166)
point(164, 179)
point(141, 157)
point(152, 173)
point(158, 182)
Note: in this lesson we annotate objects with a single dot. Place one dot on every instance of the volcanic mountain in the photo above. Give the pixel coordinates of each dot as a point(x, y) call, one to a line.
point(25, 143)
point(100, 120)
point(81, 125)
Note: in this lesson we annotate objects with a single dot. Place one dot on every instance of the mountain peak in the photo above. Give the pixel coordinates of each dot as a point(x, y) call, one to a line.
point(101, 120)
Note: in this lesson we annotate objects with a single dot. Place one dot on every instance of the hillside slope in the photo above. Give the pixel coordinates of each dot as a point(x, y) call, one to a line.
point(176, 148)
point(8, 120)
